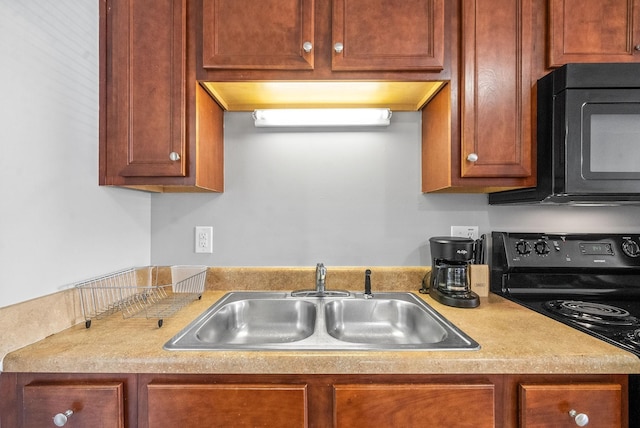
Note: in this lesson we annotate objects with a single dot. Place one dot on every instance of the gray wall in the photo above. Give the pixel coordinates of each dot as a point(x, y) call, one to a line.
point(345, 198)
point(56, 225)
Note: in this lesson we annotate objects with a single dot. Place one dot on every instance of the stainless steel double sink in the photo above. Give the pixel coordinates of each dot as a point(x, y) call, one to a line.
point(282, 321)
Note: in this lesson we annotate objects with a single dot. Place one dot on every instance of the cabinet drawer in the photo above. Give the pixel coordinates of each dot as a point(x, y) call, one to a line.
point(443, 405)
point(89, 403)
point(228, 405)
point(544, 405)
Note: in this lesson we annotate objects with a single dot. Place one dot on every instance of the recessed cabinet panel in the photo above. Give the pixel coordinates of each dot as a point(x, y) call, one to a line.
point(89, 403)
point(424, 405)
point(496, 88)
point(547, 405)
point(405, 35)
point(227, 405)
point(593, 31)
point(266, 34)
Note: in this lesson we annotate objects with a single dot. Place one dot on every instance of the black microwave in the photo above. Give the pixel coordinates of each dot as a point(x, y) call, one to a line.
point(588, 137)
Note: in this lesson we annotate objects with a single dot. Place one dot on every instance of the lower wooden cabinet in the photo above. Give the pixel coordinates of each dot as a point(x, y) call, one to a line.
point(87, 400)
point(319, 401)
point(570, 405)
point(73, 404)
point(384, 405)
point(227, 405)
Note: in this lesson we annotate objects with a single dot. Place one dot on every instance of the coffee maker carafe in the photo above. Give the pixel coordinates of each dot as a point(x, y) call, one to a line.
point(450, 283)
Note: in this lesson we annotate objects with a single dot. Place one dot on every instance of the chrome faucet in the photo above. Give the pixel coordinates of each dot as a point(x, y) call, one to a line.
point(321, 275)
point(321, 290)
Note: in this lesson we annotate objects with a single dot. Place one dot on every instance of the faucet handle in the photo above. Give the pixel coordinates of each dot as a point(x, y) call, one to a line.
point(367, 284)
point(321, 270)
point(321, 273)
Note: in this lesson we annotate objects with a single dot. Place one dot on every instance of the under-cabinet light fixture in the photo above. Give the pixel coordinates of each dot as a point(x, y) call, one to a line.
point(322, 117)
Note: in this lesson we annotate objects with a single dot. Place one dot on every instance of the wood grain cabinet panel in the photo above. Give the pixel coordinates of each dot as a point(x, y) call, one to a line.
point(406, 35)
point(593, 31)
point(441, 405)
point(159, 130)
point(226, 405)
point(146, 88)
point(496, 88)
point(477, 131)
point(548, 405)
point(266, 34)
point(287, 35)
point(93, 404)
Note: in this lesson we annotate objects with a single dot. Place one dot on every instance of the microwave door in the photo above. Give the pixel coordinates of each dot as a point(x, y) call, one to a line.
point(602, 144)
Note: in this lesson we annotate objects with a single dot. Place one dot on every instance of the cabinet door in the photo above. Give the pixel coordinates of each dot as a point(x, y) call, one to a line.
point(228, 405)
point(90, 403)
point(437, 405)
point(377, 35)
point(544, 405)
point(496, 88)
point(145, 126)
point(593, 31)
point(266, 34)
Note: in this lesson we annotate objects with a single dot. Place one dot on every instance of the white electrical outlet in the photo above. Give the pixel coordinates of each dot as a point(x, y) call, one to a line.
point(470, 232)
point(204, 239)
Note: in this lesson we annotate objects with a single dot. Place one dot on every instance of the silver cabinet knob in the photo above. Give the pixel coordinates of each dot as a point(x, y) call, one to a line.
point(61, 419)
point(307, 46)
point(338, 47)
point(637, 47)
point(174, 156)
point(580, 418)
point(472, 157)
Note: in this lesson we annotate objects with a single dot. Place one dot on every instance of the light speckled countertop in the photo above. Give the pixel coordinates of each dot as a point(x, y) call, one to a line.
point(513, 340)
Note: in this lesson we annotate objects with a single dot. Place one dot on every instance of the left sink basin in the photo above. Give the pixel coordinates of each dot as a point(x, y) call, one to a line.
point(258, 321)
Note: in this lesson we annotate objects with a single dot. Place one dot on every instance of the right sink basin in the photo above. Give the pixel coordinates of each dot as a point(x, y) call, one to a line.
point(282, 321)
point(384, 321)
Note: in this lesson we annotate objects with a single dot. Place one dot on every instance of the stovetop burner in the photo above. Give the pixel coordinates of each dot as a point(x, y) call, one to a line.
point(593, 314)
point(634, 337)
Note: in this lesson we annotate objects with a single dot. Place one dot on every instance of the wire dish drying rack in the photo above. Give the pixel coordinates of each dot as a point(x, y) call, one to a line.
point(142, 292)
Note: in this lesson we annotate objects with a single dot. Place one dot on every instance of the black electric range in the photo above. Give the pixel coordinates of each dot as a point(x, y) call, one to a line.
point(590, 282)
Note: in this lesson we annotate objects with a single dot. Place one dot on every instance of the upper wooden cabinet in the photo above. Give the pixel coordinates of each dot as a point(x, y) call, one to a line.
point(476, 132)
point(593, 31)
point(406, 35)
point(267, 34)
point(159, 130)
point(343, 35)
point(496, 88)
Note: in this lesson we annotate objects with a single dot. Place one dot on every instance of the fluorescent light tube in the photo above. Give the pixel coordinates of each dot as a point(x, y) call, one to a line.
point(322, 117)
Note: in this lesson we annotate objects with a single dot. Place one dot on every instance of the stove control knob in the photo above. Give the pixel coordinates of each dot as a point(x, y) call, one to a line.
point(630, 248)
point(523, 248)
point(542, 248)
point(580, 419)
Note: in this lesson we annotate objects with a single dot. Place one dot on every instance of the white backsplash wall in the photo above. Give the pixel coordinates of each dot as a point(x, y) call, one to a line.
point(56, 225)
point(345, 198)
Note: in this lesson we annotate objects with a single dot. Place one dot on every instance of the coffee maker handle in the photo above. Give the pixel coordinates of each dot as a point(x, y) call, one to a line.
point(425, 283)
point(479, 256)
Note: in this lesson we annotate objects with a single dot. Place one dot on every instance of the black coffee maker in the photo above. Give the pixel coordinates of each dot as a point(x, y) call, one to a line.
point(450, 283)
